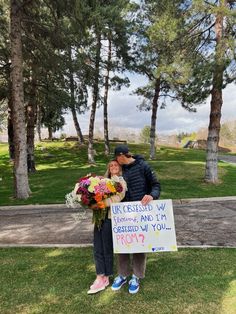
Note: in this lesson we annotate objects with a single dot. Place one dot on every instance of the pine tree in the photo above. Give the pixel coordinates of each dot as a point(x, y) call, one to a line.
point(222, 30)
point(161, 55)
point(18, 113)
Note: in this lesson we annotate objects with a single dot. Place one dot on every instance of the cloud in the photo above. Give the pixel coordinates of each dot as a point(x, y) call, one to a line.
point(123, 112)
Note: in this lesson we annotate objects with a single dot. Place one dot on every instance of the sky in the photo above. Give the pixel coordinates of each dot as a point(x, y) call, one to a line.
point(123, 113)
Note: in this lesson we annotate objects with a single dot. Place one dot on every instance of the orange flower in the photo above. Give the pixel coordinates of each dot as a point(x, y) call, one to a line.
point(98, 197)
point(101, 205)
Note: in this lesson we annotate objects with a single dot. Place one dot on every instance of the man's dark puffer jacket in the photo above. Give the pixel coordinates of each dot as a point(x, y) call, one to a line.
point(140, 180)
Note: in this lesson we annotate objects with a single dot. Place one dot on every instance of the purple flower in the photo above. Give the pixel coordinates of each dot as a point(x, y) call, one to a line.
point(118, 187)
point(85, 199)
point(82, 190)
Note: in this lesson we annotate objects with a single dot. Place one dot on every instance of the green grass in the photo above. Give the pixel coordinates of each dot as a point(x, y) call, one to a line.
point(60, 164)
point(56, 281)
point(190, 281)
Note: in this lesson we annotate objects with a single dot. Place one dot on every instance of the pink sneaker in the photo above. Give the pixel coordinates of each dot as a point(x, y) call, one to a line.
point(106, 281)
point(98, 285)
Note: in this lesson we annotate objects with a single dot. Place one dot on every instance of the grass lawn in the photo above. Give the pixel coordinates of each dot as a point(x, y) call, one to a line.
point(60, 164)
point(190, 281)
point(56, 280)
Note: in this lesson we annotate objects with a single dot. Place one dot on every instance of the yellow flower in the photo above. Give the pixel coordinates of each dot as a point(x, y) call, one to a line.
point(94, 182)
point(111, 187)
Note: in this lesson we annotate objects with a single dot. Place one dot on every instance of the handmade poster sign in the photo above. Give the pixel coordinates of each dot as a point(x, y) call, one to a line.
point(139, 229)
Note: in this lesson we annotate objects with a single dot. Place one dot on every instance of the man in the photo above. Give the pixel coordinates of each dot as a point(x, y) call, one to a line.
point(142, 185)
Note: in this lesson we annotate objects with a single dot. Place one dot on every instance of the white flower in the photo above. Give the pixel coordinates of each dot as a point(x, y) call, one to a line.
point(72, 200)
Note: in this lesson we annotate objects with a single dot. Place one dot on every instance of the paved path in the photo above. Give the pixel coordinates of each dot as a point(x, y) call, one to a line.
point(199, 222)
point(208, 222)
point(228, 158)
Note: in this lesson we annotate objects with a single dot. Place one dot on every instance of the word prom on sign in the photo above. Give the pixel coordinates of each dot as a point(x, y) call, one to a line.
point(140, 229)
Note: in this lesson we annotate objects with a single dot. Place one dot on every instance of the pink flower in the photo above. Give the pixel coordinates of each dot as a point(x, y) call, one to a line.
point(101, 188)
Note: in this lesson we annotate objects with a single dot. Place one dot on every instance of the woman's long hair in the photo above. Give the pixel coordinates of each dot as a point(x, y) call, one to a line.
point(108, 173)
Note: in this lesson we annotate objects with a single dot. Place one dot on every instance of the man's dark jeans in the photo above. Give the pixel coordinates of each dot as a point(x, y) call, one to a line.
point(103, 249)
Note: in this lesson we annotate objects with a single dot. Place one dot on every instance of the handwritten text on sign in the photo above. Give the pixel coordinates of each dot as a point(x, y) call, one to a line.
point(137, 228)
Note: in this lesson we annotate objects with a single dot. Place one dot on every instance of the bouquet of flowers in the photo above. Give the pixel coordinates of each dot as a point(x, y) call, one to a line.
point(90, 192)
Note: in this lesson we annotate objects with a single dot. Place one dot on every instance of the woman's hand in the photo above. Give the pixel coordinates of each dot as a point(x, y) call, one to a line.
point(98, 205)
point(94, 206)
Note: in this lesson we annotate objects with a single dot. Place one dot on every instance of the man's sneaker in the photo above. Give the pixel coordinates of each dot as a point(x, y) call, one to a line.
point(98, 285)
point(134, 285)
point(119, 281)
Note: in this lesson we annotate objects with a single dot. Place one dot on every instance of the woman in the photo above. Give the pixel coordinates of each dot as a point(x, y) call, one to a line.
point(103, 245)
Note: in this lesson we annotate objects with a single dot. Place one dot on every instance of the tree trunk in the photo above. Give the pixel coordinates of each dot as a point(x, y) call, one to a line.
point(50, 133)
point(105, 103)
point(77, 126)
point(211, 169)
point(21, 182)
point(154, 119)
point(31, 121)
point(72, 102)
point(38, 122)
point(94, 101)
point(10, 131)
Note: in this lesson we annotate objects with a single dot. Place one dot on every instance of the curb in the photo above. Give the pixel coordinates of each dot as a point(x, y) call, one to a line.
point(45, 245)
point(175, 201)
point(206, 199)
point(91, 245)
point(36, 206)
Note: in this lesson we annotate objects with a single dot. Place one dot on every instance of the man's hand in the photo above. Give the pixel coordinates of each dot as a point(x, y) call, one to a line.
point(146, 199)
